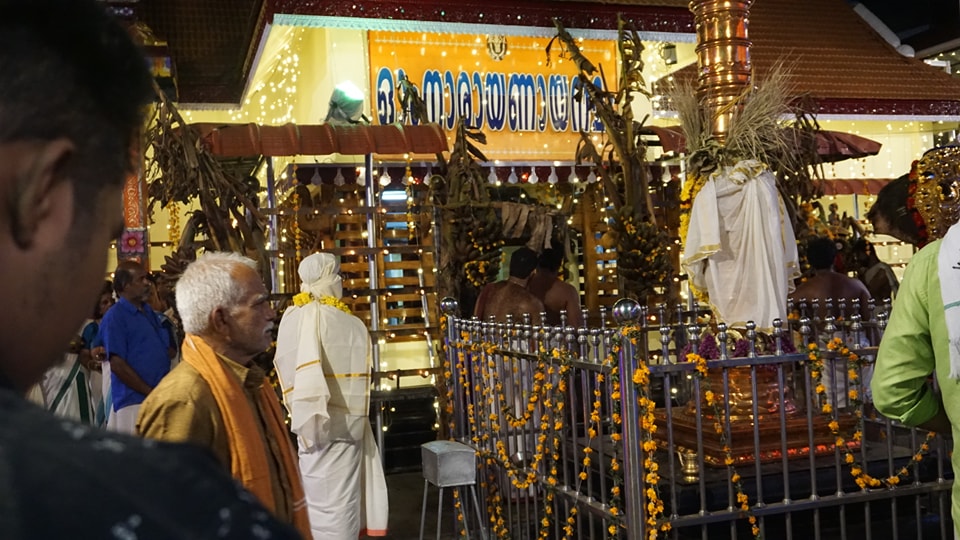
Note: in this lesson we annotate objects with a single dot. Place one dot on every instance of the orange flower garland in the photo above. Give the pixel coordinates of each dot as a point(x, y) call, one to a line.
point(863, 479)
point(655, 520)
point(711, 400)
point(553, 366)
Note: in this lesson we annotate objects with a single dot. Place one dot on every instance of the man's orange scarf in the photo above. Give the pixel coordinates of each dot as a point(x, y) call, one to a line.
point(248, 455)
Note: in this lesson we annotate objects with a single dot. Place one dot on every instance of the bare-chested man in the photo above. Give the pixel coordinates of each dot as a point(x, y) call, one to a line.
point(511, 297)
point(828, 284)
point(557, 295)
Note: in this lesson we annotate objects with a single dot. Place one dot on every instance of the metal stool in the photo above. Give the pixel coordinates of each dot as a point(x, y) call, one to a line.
point(449, 464)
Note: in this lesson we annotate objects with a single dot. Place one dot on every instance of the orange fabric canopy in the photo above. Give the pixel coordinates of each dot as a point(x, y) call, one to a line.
point(244, 140)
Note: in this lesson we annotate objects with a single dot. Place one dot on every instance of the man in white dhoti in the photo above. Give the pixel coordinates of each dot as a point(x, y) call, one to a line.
point(66, 388)
point(324, 369)
point(740, 247)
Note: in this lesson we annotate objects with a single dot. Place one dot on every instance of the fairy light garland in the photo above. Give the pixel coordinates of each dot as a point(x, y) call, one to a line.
point(173, 223)
point(295, 226)
point(854, 373)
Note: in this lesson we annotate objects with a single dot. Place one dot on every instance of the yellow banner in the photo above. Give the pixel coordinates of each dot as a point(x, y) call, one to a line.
point(500, 84)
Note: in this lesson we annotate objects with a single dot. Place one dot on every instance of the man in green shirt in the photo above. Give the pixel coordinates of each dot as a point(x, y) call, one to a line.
point(915, 345)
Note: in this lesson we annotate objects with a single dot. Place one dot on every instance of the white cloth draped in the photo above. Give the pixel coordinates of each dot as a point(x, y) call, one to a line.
point(740, 247)
point(948, 267)
point(323, 364)
point(341, 478)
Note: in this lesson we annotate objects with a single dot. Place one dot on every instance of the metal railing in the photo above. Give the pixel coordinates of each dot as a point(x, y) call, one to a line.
point(769, 439)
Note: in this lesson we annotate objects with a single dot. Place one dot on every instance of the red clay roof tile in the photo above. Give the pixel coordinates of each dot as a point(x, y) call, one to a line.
point(838, 59)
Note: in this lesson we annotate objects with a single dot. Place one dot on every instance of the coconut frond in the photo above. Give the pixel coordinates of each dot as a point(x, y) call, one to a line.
point(682, 96)
point(181, 169)
point(757, 129)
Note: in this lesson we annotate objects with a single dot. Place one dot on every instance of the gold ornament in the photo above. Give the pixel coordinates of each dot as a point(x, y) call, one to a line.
point(937, 195)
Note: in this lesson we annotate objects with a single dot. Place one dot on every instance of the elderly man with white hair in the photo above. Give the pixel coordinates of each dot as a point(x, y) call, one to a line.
point(218, 397)
point(324, 367)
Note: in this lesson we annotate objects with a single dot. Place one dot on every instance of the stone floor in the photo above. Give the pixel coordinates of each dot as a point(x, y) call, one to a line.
point(406, 497)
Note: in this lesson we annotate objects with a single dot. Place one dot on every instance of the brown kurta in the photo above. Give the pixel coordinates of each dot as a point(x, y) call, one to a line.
point(182, 408)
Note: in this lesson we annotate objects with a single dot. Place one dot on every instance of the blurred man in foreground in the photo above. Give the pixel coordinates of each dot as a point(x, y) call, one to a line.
point(74, 87)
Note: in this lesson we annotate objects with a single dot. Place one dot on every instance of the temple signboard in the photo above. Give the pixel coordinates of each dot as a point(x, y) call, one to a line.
point(501, 85)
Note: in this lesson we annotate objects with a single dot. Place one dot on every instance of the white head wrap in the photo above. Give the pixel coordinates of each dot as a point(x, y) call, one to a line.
point(320, 275)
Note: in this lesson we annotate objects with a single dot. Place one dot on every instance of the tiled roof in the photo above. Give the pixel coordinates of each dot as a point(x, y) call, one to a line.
point(839, 60)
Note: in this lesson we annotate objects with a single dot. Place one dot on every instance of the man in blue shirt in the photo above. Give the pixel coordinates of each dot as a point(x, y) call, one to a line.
point(138, 348)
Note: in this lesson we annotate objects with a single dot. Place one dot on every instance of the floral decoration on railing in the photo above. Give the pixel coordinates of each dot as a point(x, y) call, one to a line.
point(548, 393)
point(653, 507)
point(855, 366)
point(743, 501)
point(710, 349)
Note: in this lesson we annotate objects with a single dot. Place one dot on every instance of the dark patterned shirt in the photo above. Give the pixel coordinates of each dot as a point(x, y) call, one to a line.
point(61, 479)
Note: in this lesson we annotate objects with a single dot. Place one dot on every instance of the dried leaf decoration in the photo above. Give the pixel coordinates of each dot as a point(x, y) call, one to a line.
point(642, 259)
point(472, 232)
point(181, 169)
point(758, 131)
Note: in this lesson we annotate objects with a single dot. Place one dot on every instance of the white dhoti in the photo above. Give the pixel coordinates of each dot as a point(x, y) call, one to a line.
point(344, 484)
point(66, 390)
point(104, 411)
point(124, 420)
point(740, 247)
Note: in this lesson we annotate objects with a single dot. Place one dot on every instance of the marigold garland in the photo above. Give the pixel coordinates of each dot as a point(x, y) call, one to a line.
point(295, 227)
point(173, 224)
point(654, 508)
point(855, 370)
point(549, 391)
point(304, 298)
point(743, 501)
point(616, 436)
point(691, 188)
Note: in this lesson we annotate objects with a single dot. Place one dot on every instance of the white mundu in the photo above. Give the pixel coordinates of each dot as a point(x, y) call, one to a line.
point(324, 368)
point(66, 390)
point(740, 247)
